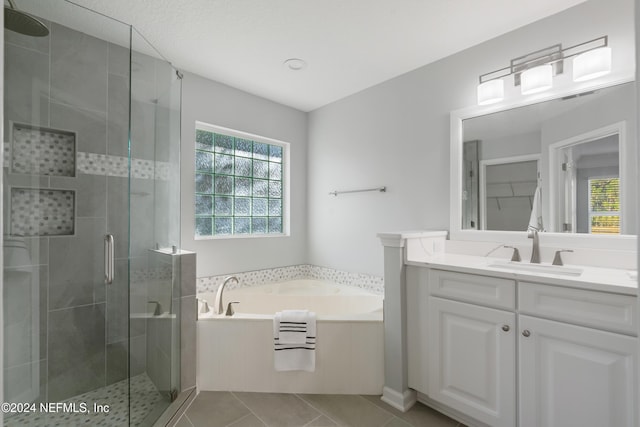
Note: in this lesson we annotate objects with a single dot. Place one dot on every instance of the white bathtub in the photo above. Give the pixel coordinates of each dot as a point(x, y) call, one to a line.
point(236, 353)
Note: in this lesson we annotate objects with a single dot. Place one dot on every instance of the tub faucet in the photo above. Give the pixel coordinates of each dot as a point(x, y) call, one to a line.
point(218, 303)
point(535, 252)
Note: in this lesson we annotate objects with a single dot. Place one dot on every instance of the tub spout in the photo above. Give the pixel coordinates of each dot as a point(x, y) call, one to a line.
point(218, 303)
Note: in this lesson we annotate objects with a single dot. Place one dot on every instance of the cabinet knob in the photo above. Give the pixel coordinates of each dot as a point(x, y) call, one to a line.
point(505, 328)
point(526, 333)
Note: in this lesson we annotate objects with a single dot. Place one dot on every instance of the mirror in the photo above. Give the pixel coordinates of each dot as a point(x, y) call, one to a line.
point(579, 151)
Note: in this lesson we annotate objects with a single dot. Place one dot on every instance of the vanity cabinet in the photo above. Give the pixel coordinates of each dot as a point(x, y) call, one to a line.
point(574, 376)
point(472, 366)
point(569, 350)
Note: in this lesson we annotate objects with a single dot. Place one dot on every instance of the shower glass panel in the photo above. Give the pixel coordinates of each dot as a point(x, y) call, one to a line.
point(90, 149)
point(155, 201)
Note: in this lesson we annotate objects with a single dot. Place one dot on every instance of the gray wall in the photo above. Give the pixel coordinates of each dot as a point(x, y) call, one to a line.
point(397, 134)
point(214, 103)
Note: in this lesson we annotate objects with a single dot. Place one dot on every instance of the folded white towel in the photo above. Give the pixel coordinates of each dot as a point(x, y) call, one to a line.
point(535, 220)
point(295, 356)
point(292, 326)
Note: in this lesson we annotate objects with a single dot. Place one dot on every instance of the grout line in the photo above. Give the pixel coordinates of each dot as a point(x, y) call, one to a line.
point(242, 418)
point(317, 409)
point(319, 416)
point(184, 415)
point(247, 406)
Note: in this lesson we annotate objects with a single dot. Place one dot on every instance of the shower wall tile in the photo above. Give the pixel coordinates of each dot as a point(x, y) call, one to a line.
point(20, 313)
point(42, 212)
point(118, 114)
point(37, 251)
point(26, 86)
point(89, 126)
point(39, 44)
point(90, 193)
point(117, 218)
point(188, 342)
point(81, 281)
point(118, 304)
point(21, 380)
point(78, 69)
point(123, 353)
point(118, 60)
point(142, 225)
point(142, 125)
point(188, 274)
point(117, 362)
point(159, 336)
point(138, 355)
point(42, 151)
point(76, 351)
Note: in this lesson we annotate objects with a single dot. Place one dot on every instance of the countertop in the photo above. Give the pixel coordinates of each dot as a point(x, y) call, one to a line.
point(592, 278)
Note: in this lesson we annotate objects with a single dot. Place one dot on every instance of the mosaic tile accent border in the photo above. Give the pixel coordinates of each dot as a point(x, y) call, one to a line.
point(43, 151)
point(373, 284)
point(42, 212)
point(103, 164)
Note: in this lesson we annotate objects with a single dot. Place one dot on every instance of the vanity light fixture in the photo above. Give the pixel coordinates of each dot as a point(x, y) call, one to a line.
point(592, 64)
point(536, 79)
point(491, 92)
point(534, 71)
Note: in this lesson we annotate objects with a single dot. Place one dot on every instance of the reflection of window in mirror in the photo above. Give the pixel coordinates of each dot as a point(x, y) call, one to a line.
point(589, 173)
point(604, 205)
point(507, 188)
point(471, 150)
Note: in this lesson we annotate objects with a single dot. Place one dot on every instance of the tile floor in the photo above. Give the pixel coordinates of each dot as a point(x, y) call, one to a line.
point(235, 409)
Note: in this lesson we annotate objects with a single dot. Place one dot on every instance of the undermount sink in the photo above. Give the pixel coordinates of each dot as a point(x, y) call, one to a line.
point(560, 270)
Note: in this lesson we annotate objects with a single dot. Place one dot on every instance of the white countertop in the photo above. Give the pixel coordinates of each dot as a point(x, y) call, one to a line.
point(592, 278)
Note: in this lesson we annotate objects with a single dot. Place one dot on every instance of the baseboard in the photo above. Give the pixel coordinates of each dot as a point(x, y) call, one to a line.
point(401, 401)
point(449, 412)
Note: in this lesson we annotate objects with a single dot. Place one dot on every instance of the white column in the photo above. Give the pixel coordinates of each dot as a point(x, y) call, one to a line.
point(396, 390)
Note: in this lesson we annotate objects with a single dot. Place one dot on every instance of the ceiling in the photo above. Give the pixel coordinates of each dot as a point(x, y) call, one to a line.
point(349, 45)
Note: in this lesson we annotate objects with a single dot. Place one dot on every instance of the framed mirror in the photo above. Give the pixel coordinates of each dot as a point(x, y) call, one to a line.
point(571, 158)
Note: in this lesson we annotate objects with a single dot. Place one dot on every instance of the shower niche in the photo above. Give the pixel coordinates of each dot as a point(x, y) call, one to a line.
point(42, 151)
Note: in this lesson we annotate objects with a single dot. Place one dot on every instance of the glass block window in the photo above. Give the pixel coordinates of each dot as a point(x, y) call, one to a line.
point(604, 205)
point(239, 186)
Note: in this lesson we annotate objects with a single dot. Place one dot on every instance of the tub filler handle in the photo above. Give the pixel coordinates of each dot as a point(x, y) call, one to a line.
point(230, 311)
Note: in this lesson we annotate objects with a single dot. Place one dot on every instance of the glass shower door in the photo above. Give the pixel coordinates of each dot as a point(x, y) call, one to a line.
point(65, 186)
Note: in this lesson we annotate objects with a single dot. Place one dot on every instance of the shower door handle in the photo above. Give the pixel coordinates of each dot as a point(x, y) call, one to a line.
point(109, 265)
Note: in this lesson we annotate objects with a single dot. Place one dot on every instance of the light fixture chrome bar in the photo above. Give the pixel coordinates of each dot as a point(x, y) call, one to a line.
point(379, 189)
point(554, 55)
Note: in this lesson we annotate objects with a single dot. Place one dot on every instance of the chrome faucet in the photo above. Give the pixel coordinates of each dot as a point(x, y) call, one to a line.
point(218, 303)
point(535, 252)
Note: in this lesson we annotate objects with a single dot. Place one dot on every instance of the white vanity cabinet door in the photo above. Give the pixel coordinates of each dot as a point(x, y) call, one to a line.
point(575, 376)
point(472, 361)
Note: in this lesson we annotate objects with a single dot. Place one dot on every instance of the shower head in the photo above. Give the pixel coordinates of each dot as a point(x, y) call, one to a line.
point(22, 22)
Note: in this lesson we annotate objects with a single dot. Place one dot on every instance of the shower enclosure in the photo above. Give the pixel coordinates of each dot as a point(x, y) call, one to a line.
point(90, 194)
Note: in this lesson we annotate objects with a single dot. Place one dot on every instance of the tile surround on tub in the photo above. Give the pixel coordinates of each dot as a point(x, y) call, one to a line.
point(373, 284)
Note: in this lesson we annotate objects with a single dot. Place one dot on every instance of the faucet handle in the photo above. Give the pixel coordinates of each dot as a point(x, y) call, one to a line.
point(230, 311)
point(557, 260)
point(158, 309)
point(516, 253)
